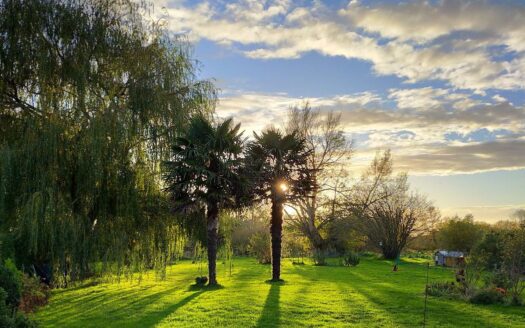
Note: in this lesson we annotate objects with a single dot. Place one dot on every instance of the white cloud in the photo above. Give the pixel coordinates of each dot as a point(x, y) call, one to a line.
point(448, 40)
point(259, 110)
point(418, 98)
point(424, 21)
point(499, 98)
point(416, 130)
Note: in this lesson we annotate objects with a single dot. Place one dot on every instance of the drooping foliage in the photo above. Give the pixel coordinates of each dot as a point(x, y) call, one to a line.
point(204, 176)
point(90, 96)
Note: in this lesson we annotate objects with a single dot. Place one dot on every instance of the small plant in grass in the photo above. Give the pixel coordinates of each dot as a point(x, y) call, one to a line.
point(444, 289)
point(201, 281)
point(351, 259)
point(319, 257)
point(370, 255)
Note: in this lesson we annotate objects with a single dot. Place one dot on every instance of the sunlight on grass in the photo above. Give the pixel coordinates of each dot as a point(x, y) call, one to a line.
point(369, 295)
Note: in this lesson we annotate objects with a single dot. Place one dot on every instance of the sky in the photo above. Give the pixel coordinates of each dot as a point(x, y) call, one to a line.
point(440, 83)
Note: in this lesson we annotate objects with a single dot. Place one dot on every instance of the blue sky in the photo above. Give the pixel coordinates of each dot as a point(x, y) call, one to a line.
point(441, 83)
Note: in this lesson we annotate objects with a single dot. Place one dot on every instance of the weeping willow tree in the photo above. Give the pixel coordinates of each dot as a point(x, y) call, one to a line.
point(91, 94)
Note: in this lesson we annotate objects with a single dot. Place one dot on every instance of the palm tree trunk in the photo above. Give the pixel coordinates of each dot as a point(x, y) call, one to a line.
point(276, 229)
point(212, 227)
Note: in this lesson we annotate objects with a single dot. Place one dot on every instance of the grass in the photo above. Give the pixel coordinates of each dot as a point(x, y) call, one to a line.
point(369, 295)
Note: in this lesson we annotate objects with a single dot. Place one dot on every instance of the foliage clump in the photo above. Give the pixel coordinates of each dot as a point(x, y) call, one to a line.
point(488, 296)
point(201, 281)
point(444, 289)
point(34, 294)
point(12, 296)
point(260, 247)
point(91, 96)
point(351, 259)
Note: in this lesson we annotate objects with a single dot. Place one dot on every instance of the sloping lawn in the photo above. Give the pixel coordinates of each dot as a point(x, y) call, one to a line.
point(369, 295)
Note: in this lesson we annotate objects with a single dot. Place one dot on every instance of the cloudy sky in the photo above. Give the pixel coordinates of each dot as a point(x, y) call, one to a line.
point(441, 83)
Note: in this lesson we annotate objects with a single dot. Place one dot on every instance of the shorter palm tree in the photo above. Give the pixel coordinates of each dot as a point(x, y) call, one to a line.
point(278, 170)
point(204, 174)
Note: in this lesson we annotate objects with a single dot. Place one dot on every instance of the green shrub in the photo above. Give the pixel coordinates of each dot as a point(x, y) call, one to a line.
point(260, 247)
point(498, 279)
point(34, 294)
point(319, 257)
point(10, 318)
point(10, 282)
point(351, 259)
point(516, 300)
point(369, 254)
point(444, 289)
point(201, 281)
point(488, 296)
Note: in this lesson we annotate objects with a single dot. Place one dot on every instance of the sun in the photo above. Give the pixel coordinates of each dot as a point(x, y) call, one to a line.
point(283, 186)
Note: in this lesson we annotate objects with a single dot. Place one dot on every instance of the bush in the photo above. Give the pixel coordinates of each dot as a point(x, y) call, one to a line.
point(10, 318)
point(295, 247)
point(201, 281)
point(351, 259)
point(34, 294)
point(260, 247)
point(319, 256)
point(488, 296)
point(440, 289)
point(10, 282)
point(498, 279)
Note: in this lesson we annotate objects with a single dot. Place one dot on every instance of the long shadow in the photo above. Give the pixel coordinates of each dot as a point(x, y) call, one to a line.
point(153, 320)
point(271, 313)
point(385, 299)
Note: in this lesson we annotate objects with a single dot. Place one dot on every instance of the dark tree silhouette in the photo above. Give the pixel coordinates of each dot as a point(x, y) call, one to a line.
point(277, 165)
point(204, 173)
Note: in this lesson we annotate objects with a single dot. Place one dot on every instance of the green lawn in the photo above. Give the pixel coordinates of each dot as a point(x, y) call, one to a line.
point(369, 295)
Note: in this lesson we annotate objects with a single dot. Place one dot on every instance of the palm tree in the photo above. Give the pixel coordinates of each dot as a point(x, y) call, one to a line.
point(203, 174)
point(277, 165)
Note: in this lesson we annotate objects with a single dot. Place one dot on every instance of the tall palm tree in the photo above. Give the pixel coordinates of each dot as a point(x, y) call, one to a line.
point(204, 173)
point(278, 170)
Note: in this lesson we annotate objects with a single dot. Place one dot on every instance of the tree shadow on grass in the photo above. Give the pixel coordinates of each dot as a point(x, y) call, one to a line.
point(203, 288)
point(271, 313)
point(388, 298)
point(158, 317)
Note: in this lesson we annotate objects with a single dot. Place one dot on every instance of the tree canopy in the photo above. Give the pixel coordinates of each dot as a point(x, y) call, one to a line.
point(90, 96)
point(386, 211)
point(204, 174)
point(277, 166)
